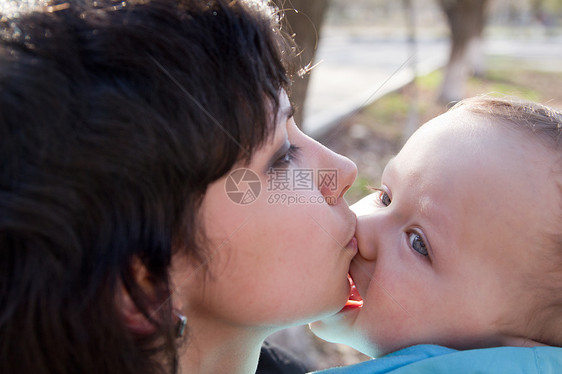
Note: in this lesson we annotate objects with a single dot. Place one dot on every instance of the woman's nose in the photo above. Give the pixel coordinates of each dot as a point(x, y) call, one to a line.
point(335, 181)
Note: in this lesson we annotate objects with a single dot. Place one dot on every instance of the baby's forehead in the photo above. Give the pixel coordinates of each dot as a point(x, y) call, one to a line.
point(462, 121)
point(448, 136)
point(466, 154)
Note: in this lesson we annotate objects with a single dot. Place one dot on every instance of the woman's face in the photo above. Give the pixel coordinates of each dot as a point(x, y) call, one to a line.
point(281, 258)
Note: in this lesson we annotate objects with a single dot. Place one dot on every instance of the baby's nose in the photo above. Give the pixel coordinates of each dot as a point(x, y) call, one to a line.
point(366, 234)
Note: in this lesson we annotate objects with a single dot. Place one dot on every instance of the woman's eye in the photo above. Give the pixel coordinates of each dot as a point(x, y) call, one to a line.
point(417, 243)
point(286, 159)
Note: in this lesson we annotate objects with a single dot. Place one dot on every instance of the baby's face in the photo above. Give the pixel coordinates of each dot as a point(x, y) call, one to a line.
point(449, 244)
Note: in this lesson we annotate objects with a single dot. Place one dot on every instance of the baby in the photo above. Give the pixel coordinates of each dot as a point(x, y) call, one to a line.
point(461, 247)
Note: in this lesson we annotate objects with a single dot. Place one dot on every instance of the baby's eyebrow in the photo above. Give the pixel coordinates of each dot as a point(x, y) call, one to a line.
point(437, 221)
point(391, 160)
point(388, 167)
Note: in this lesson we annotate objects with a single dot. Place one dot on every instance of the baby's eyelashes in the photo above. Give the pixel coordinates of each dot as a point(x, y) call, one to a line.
point(382, 196)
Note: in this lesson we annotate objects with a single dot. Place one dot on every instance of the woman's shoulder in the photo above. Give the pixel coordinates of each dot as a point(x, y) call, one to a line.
point(277, 360)
point(437, 359)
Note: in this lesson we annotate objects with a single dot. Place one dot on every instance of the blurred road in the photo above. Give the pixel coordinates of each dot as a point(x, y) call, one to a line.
point(356, 70)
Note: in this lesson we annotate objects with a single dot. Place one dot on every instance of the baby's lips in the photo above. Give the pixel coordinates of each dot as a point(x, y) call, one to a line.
point(354, 300)
point(354, 303)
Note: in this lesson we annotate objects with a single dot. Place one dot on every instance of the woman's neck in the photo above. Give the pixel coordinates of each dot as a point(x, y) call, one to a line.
point(220, 349)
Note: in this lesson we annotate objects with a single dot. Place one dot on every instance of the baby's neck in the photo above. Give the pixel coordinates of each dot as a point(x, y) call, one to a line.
point(516, 341)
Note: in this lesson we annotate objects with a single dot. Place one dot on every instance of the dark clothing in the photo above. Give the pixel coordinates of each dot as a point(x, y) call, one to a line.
point(277, 360)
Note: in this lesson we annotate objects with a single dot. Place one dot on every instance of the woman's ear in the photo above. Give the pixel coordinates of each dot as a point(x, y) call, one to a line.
point(134, 319)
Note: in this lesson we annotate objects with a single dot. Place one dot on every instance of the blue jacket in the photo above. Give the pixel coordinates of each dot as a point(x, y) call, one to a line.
point(433, 359)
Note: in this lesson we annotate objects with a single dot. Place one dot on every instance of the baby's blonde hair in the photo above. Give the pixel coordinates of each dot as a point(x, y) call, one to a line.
point(543, 124)
point(541, 121)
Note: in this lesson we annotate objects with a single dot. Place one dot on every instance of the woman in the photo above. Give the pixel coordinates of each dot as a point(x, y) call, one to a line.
point(128, 132)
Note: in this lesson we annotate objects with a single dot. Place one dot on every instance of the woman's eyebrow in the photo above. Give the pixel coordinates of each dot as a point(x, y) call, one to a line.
point(281, 151)
point(288, 112)
point(291, 111)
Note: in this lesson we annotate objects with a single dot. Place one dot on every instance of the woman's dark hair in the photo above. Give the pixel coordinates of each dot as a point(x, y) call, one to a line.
point(114, 118)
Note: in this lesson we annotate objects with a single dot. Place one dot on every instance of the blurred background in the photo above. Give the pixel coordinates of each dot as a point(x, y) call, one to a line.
point(373, 71)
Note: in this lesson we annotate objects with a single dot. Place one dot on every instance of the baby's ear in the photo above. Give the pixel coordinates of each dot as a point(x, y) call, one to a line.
point(133, 318)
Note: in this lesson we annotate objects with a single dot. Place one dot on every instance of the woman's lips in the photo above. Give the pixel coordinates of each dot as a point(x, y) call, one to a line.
point(352, 246)
point(354, 301)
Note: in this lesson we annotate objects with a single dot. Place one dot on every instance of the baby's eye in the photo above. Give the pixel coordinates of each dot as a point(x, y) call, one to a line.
point(385, 199)
point(417, 243)
point(382, 196)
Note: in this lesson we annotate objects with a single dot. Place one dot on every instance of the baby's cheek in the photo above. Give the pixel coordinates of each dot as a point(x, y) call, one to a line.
point(393, 299)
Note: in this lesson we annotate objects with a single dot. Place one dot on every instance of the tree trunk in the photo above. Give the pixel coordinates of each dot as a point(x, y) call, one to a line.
point(466, 20)
point(304, 18)
point(539, 13)
point(412, 122)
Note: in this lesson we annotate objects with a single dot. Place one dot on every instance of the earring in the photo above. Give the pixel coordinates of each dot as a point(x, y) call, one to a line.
point(182, 323)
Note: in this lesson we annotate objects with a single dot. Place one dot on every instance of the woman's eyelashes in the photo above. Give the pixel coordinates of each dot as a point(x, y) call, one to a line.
point(286, 159)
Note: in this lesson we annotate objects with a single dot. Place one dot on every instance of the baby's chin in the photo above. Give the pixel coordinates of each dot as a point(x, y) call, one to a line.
point(337, 328)
point(341, 328)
